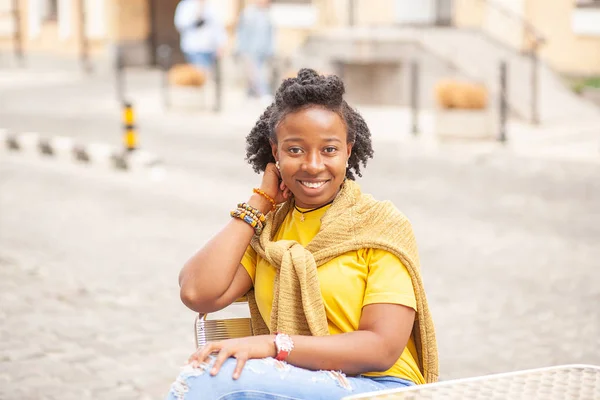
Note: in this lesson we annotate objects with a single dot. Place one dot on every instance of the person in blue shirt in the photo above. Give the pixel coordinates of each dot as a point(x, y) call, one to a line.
point(255, 45)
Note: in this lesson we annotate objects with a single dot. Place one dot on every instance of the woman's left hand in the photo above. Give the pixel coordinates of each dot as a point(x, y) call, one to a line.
point(242, 349)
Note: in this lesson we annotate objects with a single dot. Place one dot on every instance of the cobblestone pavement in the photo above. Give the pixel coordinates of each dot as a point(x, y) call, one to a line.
point(89, 262)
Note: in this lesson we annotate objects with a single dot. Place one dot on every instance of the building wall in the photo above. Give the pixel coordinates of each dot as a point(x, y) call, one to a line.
point(128, 24)
point(383, 14)
point(294, 22)
point(469, 13)
point(108, 25)
point(62, 35)
point(129, 28)
point(413, 12)
point(565, 50)
point(128, 20)
point(505, 27)
point(505, 22)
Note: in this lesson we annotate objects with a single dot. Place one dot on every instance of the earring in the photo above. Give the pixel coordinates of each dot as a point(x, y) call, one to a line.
point(347, 164)
point(277, 165)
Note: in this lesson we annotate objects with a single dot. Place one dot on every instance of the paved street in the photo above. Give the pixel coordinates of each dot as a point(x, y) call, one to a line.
point(89, 259)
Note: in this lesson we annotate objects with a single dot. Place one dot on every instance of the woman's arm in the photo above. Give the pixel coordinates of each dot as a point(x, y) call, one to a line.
point(381, 337)
point(208, 275)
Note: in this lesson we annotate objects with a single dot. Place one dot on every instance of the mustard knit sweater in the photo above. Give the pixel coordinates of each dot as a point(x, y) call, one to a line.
point(354, 221)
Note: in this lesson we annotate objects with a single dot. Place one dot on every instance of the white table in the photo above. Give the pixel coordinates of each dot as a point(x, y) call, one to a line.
point(565, 382)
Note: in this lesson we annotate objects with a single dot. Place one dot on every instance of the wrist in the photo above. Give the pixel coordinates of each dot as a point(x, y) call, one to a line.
point(283, 346)
point(273, 346)
point(259, 202)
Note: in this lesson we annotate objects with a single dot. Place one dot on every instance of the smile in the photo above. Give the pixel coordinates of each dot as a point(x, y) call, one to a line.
point(313, 185)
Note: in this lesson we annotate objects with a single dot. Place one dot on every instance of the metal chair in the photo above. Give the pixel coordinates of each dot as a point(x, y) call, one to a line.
point(229, 323)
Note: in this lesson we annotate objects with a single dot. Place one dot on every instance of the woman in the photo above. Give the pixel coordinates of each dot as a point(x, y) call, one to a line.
point(332, 275)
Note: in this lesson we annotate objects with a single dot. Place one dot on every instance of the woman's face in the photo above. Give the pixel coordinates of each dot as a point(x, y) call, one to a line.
point(313, 152)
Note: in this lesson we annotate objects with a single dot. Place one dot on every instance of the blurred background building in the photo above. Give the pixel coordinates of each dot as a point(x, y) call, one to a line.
point(570, 27)
point(544, 43)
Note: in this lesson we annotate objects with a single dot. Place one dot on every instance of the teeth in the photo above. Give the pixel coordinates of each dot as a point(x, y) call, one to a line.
point(313, 185)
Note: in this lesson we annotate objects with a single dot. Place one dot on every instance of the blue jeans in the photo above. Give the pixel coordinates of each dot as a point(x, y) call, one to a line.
point(201, 59)
point(269, 379)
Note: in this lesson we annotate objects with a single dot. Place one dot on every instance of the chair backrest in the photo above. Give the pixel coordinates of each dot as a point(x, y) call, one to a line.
point(231, 322)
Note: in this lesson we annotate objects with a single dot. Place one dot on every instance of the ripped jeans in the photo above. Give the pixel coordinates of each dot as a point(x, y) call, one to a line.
point(269, 379)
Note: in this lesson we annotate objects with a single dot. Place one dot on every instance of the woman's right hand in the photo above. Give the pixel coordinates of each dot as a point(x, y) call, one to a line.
point(273, 185)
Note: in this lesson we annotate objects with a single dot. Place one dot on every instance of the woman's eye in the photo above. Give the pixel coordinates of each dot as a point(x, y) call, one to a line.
point(295, 150)
point(330, 149)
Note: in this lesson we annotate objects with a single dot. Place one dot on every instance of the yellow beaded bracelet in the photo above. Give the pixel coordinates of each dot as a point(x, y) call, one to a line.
point(266, 196)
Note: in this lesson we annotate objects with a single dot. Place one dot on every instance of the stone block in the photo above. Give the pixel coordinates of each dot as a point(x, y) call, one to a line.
point(464, 124)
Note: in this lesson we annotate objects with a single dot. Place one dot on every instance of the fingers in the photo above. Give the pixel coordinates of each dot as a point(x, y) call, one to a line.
point(202, 354)
point(241, 362)
point(287, 193)
point(272, 167)
point(224, 354)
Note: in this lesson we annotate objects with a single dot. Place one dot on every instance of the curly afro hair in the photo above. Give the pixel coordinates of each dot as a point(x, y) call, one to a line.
point(309, 89)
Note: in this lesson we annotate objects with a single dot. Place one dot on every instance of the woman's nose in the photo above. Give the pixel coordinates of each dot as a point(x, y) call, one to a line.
point(314, 163)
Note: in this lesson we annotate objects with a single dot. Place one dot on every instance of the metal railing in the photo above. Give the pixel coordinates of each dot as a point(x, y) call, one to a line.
point(535, 39)
point(84, 42)
point(530, 29)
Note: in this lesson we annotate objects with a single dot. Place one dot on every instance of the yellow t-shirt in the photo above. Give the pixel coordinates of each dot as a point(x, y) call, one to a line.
point(348, 283)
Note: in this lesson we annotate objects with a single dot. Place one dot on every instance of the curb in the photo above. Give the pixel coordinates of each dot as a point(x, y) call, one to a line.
point(66, 149)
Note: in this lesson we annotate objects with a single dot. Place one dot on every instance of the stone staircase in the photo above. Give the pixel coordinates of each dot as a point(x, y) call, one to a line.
point(479, 57)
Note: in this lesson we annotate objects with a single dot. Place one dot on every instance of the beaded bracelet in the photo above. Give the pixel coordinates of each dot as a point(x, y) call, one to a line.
point(266, 196)
point(249, 219)
point(243, 213)
point(254, 211)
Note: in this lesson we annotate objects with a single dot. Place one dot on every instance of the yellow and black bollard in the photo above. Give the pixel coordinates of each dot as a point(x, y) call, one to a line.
point(130, 133)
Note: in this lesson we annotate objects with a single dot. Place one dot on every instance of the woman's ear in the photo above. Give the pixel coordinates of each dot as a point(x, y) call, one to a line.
point(350, 149)
point(274, 150)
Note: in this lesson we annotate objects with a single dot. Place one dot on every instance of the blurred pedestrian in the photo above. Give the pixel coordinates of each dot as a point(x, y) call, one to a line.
point(255, 45)
point(203, 35)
